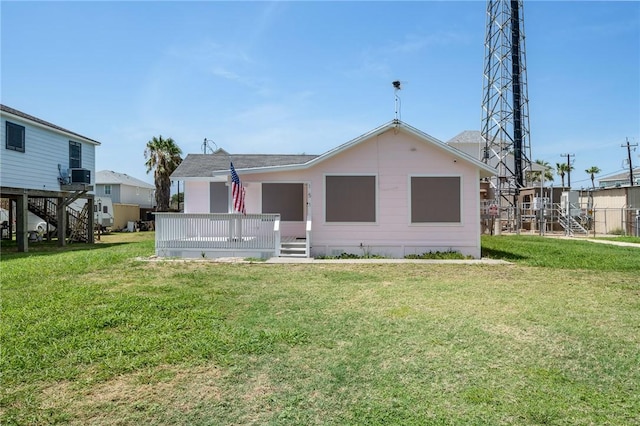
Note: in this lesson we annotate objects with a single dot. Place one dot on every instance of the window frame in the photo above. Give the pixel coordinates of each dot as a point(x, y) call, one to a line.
point(11, 127)
point(71, 158)
point(376, 199)
point(410, 200)
point(107, 189)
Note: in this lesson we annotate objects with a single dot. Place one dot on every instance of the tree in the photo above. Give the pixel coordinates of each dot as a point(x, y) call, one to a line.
point(176, 200)
point(548, 175)
point(163, 157)
point(562, 169)
point(593, 170)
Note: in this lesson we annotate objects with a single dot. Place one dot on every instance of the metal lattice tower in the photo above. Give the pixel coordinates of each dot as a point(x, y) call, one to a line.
point(505, 104)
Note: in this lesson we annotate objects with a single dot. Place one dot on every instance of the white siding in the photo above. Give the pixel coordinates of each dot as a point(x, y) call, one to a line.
point(142, 197)
point(196, 197)
point(45, 150)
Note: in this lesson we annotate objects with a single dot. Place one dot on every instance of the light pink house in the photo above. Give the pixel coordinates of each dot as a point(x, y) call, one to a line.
point(392, 191)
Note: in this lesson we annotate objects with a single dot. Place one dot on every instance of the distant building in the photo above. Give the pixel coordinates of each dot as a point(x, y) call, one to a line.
point(619, 180)
point(124, 189)
point(132, 198)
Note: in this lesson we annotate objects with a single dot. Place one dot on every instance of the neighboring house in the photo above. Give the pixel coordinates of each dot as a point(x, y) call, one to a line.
point(44, 167)
point(129, 196)
point(472, 143)
point(621, 179)
point(392, 191)
point(124, 189)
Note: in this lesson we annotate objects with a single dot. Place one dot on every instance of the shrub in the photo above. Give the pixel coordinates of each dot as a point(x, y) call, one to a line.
point(449, 254)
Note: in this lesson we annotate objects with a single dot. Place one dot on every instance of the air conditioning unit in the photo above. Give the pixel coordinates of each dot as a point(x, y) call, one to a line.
point(80, 176)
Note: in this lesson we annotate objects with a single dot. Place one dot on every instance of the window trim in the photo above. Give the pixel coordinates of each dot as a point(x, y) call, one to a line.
point(9, 124)
point(79, 145)
point(376, 198)
point(410, 200)
point(107, 189)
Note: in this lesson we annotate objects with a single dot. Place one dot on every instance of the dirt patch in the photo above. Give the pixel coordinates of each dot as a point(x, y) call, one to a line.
point(170, 388)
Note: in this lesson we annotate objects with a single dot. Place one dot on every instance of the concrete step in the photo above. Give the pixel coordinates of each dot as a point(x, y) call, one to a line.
point(293, 249)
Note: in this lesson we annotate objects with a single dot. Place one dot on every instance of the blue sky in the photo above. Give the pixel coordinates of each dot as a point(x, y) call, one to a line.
point(304, 77)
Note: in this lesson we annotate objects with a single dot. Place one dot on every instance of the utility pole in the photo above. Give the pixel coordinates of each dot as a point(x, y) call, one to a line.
point(568, 168)
point(628, 146)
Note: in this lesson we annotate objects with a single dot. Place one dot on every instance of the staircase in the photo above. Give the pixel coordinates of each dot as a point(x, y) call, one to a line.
point(294, 247)
point(569, 223)
point(45, 209)
point(77, 221)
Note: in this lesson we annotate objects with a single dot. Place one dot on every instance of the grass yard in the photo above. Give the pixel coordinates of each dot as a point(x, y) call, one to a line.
point(93, 336)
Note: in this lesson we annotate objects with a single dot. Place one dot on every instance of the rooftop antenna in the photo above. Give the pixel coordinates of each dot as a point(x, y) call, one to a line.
point(206, 146)
point(396, 88)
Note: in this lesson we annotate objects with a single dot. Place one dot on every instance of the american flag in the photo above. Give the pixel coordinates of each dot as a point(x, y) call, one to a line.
point(237, 191)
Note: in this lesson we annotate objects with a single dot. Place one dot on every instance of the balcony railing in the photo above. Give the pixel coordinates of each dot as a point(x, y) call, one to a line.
point(217, 235)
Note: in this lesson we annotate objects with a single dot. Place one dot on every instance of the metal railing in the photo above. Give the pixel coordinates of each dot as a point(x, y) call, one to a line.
point(217, 232)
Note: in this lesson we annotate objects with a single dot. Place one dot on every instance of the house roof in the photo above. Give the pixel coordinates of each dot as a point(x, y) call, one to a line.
point(207, 165)
point(473, 139)
point(467, 136)
point(42, 123)
point(109, 177)
point(204, 165)
point(621, 176)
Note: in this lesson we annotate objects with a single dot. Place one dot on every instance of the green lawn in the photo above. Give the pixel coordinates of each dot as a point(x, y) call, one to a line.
point(93, 335)
point(623, 238)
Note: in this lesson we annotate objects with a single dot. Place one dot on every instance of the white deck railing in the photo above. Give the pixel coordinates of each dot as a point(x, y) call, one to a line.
point(183, 234)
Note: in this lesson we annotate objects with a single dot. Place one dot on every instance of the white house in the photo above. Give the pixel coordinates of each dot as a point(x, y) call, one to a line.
point(43, 168)
point(392, 191)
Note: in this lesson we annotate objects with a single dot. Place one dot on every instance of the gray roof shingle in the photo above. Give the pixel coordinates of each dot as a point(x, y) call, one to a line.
point(107, 177)
point(201, 165)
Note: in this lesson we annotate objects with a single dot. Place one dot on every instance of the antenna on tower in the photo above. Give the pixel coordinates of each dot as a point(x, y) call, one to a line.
point(396, 88)
point(206, 146)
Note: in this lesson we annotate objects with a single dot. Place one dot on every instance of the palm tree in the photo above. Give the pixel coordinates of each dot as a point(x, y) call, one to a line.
point(562, 169)
point(163, 157)
point(593, 170)
point(548, 175)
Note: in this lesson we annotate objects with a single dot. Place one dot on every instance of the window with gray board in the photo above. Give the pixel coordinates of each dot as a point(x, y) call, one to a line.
point(218, 197)
point(350, 198)
point(435, 199)
point(287, 199)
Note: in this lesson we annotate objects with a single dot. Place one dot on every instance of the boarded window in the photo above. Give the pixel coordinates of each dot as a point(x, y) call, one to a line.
point(75, 155)
point(218, 197)
point(284, 198)
point(350, 198)
point(435, 199)
point(14, 137)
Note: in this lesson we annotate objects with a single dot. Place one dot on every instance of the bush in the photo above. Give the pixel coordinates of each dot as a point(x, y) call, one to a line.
point(449, 254)
point(344, 255)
